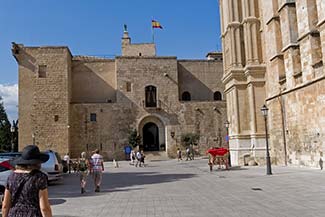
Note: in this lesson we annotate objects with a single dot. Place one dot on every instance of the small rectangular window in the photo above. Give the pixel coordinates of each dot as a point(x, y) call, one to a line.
point(128, 86)
point(56, 118)
point(93, 117)
point(42, 71)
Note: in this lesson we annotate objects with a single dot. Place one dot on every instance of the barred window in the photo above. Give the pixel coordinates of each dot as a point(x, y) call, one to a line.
point(93, 117)
point(42, 69)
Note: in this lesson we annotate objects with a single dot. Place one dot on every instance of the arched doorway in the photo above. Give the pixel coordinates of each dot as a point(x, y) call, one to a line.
point(150, 134)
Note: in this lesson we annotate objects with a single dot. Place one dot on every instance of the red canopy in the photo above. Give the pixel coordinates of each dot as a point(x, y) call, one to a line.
point(218, 151)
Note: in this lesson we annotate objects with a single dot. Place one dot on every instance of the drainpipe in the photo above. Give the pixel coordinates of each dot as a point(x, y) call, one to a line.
point(282, 105)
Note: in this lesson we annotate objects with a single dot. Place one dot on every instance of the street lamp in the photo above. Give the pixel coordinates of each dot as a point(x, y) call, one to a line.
point(227, 139)
point(264, 110)
point(12, 130)
point(33, 137)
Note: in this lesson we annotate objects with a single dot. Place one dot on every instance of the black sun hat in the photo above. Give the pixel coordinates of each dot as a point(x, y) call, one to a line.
point(31, 155)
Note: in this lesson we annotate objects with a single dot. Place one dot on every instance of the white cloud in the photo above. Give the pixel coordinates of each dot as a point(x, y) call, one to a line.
point(9, 94)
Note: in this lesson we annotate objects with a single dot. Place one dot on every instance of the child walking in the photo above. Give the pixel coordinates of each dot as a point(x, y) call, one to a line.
point(179, 154)
point(83, 165)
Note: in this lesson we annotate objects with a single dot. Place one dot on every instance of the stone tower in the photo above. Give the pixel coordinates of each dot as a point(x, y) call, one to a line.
point(44, 96)
point(140, 49)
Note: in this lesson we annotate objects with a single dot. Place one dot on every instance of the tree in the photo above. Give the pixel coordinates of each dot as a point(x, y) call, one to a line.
point(134, 138)
point(190, 139)
point(5, 134)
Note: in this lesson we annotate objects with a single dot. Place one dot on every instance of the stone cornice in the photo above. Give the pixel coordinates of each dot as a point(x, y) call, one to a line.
point(320, 23)
point(275, 18)
point(244, 76)
point(47, 47)
point(291, 45)
point(318, 64)
point(235, 73)
point(287, 3)
point(91, 59)
point(279, 55)
point(282, 80)
point(255, 73)
point(313, 33)
point(251, 20)
point(145, 57)
point(297, 74)
point(240, 136)
point(295, 88)
point(255, 68)
point(233, 24)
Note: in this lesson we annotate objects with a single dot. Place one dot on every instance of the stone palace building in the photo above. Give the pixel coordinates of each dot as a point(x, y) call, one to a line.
point(79, 103)
point(274, 51)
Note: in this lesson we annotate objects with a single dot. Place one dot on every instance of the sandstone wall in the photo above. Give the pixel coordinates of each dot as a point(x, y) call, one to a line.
point(148, 49)
point(200, 78)
point(109, 132)
point(294, 81)
point(93, 80)
point(44, 98)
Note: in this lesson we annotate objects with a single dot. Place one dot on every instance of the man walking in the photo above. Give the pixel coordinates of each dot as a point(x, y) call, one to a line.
point(188, 153)
point(67, 160)
point(139, 156)
point(97, 168)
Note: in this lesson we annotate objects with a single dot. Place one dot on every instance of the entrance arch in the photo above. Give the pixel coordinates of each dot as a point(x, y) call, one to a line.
point(150, 134)
point(152, 131)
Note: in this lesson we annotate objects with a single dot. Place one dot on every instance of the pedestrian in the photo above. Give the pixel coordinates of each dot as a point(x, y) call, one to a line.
point(97, 167)
point(192, 152)
point(138, 156)
point(67, 161)
point(26, 192)
point(132, 157)
point(83, 165)
point(321, 163)
point(115, 163)
point(179, 154)
point(142, 158)
point(188, 153)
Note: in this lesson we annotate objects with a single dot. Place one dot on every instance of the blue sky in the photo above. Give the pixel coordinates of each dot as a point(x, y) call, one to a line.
point(95, 27)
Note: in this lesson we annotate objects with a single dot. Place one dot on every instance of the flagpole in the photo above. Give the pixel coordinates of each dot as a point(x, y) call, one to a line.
point(153, 35)
point(152, 32)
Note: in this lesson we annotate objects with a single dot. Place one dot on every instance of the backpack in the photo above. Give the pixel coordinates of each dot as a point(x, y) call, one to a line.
point(82, 165)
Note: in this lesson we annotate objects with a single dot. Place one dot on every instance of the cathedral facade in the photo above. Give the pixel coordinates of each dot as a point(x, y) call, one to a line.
point(79, 103)
point(273, 54)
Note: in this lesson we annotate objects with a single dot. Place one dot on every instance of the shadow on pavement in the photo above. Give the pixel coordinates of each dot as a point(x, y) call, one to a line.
point(56, 201)
point(64, 216)
point(112, 182)
point(238, 168)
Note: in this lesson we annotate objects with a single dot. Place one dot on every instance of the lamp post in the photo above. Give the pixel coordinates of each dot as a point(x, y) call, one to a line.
point(264, 110)
point(227, 139)
point(33, 137)
point(12, 130)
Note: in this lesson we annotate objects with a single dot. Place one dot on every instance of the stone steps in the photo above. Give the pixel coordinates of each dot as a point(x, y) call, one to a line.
point(156, 155)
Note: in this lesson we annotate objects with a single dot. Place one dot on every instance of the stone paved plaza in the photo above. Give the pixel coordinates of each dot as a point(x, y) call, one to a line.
point(186, 189)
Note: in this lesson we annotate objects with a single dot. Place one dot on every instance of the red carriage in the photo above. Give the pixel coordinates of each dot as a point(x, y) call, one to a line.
point(218, 156)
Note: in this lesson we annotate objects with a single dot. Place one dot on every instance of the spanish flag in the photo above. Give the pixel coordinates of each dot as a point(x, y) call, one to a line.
point(156, 24)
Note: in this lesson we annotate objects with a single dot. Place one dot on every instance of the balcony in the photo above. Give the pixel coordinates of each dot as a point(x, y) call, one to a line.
point(151, 105)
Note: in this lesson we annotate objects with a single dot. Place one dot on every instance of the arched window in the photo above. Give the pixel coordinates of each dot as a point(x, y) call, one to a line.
point(186, 96)
point(151, 96)
point(217, 96)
